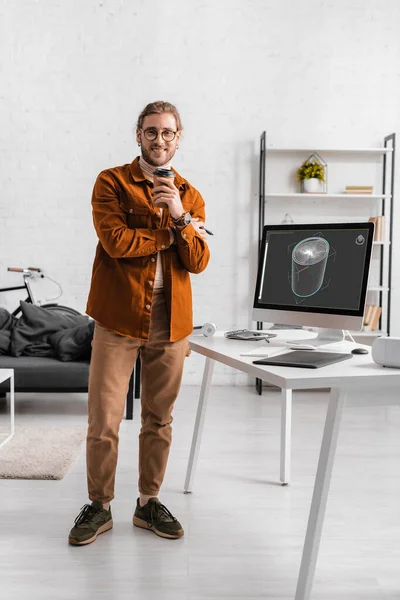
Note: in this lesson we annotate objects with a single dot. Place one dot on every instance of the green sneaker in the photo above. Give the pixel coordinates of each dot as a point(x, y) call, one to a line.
point(156, 517)
point(91, 521)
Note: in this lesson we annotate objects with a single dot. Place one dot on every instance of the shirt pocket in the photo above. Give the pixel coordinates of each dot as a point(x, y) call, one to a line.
point(138, 215)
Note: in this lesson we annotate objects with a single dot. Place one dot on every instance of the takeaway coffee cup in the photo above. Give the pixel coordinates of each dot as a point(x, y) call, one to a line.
point(159, 177)
point(162, 172)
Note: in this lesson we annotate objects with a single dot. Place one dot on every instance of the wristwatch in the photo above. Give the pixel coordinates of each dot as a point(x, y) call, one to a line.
point(183, 220)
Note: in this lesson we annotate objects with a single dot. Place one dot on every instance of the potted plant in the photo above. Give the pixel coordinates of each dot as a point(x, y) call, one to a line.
point(311, 174)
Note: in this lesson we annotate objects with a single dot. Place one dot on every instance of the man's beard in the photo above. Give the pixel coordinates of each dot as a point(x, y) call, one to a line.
point(163, 159)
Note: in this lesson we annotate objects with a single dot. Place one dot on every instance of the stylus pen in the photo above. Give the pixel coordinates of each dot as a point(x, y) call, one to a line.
point(207, 231)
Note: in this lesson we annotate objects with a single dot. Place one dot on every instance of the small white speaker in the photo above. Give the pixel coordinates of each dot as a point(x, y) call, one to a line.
point(208, 329)
point(386, 352)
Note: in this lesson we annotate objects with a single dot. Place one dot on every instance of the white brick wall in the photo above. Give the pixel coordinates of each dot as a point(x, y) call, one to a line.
point(76, 74)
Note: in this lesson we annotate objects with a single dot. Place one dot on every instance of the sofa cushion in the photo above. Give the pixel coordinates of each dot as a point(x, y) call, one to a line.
point(47, 374)
point(74, 343)
point(7, 320)
point(5, 340)
point(30, 335)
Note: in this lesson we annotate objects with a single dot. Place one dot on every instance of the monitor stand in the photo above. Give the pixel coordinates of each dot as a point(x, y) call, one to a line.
point(281, 326)
point(324, 337)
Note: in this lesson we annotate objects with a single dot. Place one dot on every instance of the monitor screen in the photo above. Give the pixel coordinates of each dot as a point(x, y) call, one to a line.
point(314, 275)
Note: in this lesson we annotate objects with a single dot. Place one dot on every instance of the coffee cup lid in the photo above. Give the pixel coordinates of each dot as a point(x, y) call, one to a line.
point(161, 172)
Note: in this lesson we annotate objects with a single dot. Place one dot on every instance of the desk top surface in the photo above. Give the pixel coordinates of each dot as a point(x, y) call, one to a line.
point(359, 370)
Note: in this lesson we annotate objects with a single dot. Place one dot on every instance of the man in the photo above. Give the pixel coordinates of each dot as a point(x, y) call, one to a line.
point(150, 239)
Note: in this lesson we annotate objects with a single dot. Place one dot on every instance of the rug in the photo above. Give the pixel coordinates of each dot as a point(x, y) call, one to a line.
point(41, 453)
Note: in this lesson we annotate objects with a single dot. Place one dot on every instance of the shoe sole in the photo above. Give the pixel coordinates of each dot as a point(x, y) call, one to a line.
point(143, 525)
point(101, 529)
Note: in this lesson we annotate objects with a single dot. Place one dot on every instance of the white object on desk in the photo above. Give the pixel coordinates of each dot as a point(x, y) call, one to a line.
point(386, 352)
point(355, 381)
point(300, 346)
point(208, 329)
point(4, 375)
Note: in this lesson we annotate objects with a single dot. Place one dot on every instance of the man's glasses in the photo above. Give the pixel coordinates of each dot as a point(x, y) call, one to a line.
point(152, 134)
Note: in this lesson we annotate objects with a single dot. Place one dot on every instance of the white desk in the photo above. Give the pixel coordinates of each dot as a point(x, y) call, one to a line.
point(219, 349)
point(357, 382)
point(4, 375)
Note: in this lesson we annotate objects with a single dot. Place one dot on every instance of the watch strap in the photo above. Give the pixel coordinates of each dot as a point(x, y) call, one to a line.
point(183, 220)
point(178, 220)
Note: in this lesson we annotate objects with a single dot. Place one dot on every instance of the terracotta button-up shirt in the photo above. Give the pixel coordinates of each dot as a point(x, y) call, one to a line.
point(131, 231)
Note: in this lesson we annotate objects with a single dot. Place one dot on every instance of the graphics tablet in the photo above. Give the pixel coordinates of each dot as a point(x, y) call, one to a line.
point(304, 358)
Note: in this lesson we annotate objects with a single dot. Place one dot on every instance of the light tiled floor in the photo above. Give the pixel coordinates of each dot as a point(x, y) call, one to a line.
point(243, 532)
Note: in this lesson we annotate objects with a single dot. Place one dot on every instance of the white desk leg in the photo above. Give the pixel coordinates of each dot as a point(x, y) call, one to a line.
point(286, 432)
point(198, 427)
point(320, 495)
point(12, 403)
point(12, 411)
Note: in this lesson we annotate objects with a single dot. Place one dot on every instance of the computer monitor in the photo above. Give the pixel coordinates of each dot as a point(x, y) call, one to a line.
point(314, 275)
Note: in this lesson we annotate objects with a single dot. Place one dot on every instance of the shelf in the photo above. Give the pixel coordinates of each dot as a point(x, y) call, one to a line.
point(308, 195)
point(376, 333)
point(380, 243)
point(377, 288)
point(339, 150)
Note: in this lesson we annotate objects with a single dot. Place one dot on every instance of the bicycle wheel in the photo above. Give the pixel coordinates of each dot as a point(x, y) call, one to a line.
point(66, 310)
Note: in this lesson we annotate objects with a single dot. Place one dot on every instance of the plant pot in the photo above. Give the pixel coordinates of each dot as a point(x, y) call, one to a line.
point(312, 186)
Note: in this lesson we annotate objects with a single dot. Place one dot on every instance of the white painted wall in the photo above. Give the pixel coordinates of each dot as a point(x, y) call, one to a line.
point(76, 74)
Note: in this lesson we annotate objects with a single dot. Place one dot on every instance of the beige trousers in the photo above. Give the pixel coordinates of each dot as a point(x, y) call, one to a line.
point(113, 359)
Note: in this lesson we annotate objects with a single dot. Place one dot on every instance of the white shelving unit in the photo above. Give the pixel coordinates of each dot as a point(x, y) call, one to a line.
point(379, 292)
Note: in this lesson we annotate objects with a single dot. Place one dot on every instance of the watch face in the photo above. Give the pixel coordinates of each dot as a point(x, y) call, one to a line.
point(187, 218)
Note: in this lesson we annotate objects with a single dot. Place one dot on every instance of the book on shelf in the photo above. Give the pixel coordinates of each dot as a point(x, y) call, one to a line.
point(376, 315)
point(379, 231)
point(367, 314)
point(358, 189)
point(372, 314)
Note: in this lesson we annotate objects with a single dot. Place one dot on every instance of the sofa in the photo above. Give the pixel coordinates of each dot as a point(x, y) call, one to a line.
point(49, 351)
point(38, 374)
